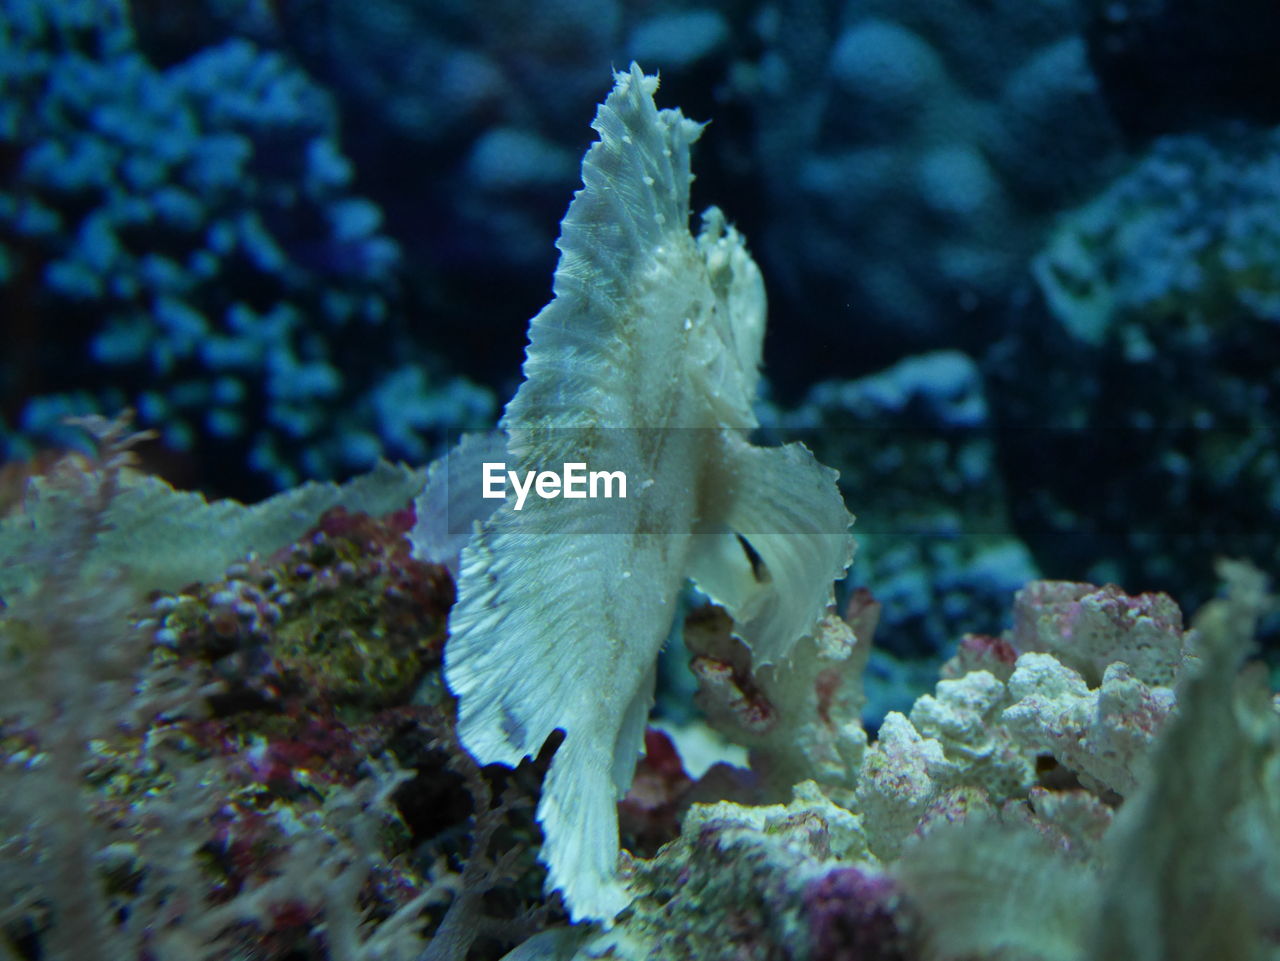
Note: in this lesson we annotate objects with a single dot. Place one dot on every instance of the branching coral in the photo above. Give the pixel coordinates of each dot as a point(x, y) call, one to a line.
point(195, 231)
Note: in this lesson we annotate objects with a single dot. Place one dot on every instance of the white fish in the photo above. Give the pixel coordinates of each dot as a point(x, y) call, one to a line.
point(647, 361)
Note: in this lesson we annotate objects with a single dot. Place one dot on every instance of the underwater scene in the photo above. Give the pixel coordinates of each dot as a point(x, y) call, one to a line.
point(761, 480)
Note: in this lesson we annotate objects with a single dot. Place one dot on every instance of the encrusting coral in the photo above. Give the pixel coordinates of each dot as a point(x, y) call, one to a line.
point(231, 766)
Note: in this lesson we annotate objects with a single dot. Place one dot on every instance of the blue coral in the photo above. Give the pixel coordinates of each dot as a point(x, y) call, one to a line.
point(196, 229)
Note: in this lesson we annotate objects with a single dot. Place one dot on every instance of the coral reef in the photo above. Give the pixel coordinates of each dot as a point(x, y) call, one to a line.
point(985, 822)
point(231, 767)
point(271, 731)
point(760, 869)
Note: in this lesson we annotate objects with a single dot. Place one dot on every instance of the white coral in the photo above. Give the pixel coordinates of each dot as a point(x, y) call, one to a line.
point(1102, 734)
